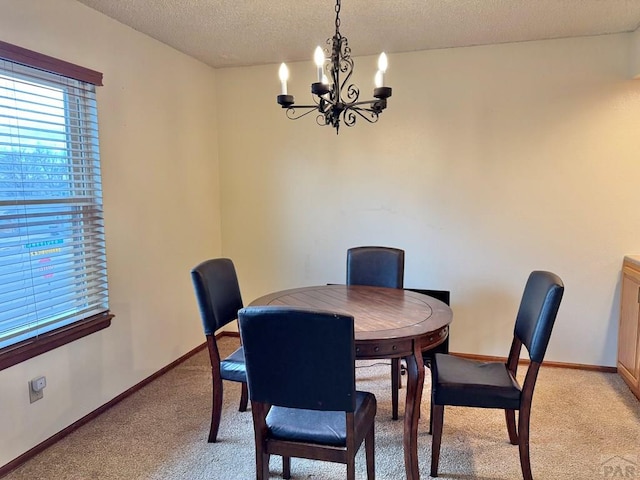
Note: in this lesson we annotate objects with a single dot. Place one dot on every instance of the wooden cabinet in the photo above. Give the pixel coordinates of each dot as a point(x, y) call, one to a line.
point(629, 332)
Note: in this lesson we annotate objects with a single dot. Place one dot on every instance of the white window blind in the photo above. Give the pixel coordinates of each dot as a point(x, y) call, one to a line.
point(52, 249)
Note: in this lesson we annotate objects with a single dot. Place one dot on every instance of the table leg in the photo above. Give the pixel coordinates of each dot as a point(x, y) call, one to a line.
point(415, 382)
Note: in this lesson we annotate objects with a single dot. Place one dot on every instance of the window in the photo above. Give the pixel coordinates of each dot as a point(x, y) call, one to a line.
point(53, 274)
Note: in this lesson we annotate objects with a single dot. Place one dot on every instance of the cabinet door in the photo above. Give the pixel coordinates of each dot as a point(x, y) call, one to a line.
point(628, 354)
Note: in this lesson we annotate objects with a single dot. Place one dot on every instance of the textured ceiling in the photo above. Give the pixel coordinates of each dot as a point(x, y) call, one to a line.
point(225, 33)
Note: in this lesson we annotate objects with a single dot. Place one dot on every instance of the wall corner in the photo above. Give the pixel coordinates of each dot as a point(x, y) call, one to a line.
point(634, 61)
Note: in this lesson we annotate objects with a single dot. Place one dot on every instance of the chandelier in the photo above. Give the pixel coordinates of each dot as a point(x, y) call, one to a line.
point(335, 100)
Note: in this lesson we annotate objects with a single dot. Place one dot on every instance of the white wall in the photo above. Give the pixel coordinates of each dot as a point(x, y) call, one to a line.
point(157, 114)
point(490, 162)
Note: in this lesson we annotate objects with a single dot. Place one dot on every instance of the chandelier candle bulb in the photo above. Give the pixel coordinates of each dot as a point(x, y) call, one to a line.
point(378, 80)
point(318, 57)
point(284, 100)
point(382, 68)
point(283, 73)
point(381, 92)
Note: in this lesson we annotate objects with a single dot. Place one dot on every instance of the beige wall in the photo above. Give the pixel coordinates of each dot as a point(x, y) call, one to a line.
point(158, 142)
point(490, 162)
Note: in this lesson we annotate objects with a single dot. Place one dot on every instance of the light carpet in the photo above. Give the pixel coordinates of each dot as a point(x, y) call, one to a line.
point(585, 425)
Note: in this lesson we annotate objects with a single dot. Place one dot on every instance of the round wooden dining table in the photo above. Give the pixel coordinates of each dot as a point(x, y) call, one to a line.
point(389, 323)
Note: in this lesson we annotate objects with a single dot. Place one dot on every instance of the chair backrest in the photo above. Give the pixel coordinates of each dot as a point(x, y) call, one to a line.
point(375, 267)
point(218, 293)
point(299, 358)
point(537, 312)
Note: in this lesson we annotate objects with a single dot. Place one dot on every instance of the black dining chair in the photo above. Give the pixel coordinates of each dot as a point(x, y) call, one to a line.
point(379, 267)
point(375, 267)
point(218, 294)
point(468, 383)
point(301, 375)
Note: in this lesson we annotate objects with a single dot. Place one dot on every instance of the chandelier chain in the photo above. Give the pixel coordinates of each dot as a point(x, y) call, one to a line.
point(337, 17)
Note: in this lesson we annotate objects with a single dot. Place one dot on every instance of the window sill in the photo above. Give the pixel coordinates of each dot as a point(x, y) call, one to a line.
point(33, 347)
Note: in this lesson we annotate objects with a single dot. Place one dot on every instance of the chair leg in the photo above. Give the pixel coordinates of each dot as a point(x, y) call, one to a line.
point(216, 410)
point(262, 465)
point(427, 364)
point(523, 443)
point(369, 448)
point(244, 398)
point(395, 386)
point(437, 417)
point(510, 416)
point(259, 414)
point(286, 467)
point(351, 468)
point(431, 417)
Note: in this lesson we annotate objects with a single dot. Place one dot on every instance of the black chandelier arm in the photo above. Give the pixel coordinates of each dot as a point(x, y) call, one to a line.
point(371, 117)
point(363, 102)
point(292, 115)
point(376, 105)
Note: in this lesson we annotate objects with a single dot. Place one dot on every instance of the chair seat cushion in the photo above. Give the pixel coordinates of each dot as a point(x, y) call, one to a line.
point(468, 383)
point(314, 426)
point(232, 368)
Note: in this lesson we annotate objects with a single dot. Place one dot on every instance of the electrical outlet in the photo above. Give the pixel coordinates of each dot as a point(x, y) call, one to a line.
point(36, 388)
